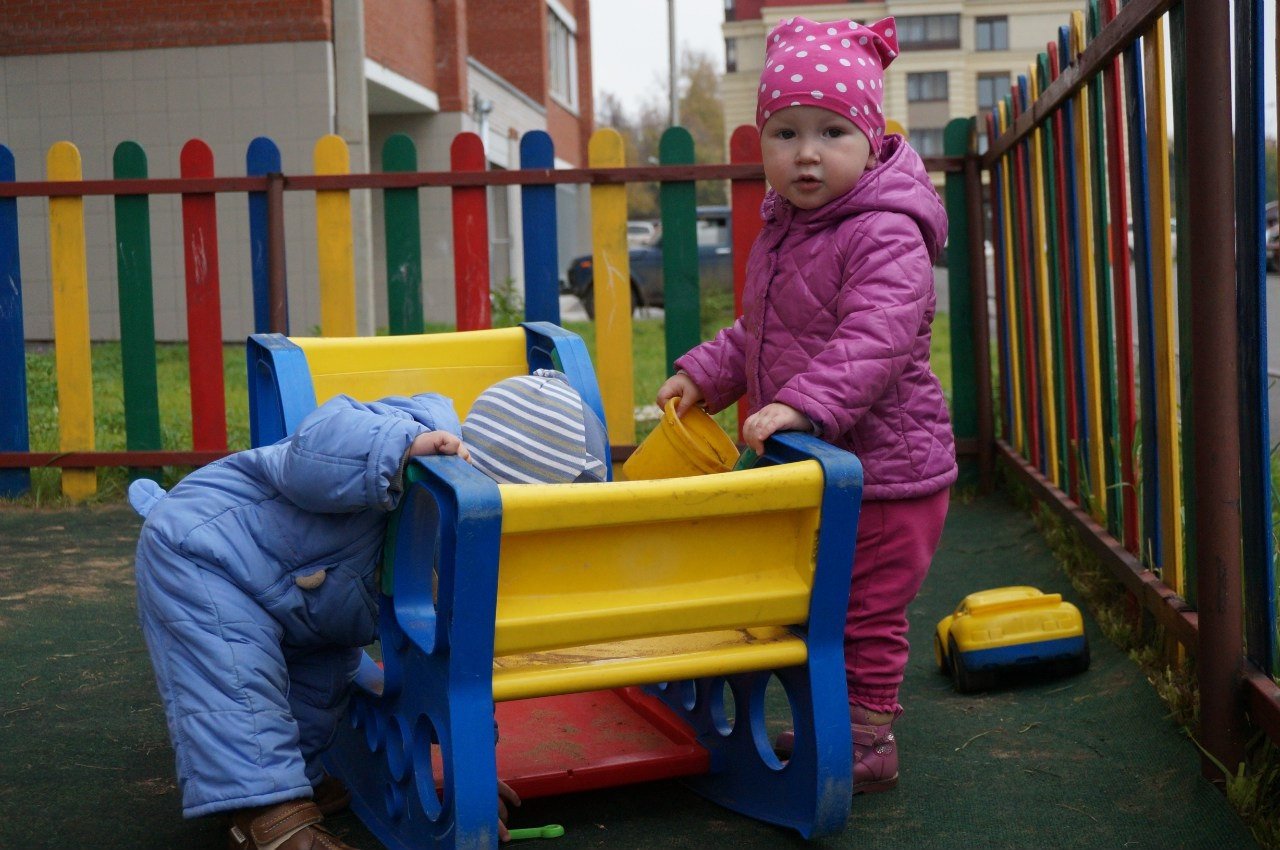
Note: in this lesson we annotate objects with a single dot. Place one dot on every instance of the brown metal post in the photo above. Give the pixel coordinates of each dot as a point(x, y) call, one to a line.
point(981, 324)
point(277, 295)
point(1214, 385)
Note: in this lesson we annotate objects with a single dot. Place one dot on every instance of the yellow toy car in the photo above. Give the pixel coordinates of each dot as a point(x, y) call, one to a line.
point(1008, 628)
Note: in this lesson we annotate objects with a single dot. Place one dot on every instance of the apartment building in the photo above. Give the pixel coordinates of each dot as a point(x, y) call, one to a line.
point(957, 58)
point(160, 72)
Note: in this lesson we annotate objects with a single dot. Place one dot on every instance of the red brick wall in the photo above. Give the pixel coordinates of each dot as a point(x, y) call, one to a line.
point(61, 26)
point(586, 99)
point(510, 38)
point(567, 135)
point(749, 10)
point(451, 46)
point(400, 35)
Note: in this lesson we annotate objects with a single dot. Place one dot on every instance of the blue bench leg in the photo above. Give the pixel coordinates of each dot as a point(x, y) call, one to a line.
point(811, 791)
point(393, 751)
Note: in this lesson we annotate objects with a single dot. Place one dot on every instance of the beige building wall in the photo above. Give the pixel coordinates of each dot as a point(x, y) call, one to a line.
point(500, 115)
point(1031, 24)
point(228, 95)
point(225, 95)
point(294, 93)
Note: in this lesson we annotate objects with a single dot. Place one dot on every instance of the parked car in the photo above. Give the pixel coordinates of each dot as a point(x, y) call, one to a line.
point(1009, 628)
point(1273, 236)
point(641, 233)
point(715, 264)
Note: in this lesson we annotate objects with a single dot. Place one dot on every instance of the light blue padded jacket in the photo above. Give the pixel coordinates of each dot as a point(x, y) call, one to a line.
point(316, 500)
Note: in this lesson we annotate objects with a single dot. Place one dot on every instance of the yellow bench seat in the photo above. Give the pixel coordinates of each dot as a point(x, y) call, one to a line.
point(645, 661)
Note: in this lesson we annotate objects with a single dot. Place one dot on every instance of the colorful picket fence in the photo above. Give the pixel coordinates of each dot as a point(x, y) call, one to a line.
point(1117, 338)
point(1131, 365)
point(1068, 271)
point(331, 183)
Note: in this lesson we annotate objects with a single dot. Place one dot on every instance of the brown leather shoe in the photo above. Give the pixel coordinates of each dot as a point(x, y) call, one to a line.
point(295, 821)
point(331, 796)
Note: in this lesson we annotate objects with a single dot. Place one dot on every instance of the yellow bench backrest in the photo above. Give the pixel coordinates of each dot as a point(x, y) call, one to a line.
point(587, 564)
point(457, 365)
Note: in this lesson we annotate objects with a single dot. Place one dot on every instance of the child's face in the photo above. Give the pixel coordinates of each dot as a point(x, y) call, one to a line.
point(812, 155)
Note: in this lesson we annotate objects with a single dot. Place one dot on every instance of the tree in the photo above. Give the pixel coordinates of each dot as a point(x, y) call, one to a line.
point(701, 113)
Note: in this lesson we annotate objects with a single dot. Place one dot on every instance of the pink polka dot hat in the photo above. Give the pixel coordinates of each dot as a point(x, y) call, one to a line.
point(837, 66)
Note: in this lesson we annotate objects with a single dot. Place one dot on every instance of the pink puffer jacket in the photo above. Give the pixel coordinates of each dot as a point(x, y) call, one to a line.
point(839, 302)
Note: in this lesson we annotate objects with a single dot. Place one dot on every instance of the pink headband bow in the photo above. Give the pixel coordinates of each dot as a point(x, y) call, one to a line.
point(837, 66)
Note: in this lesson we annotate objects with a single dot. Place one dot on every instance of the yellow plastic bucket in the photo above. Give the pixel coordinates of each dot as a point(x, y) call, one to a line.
point(694, 445)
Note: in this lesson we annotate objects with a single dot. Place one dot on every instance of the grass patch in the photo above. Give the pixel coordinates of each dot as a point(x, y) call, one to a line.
point(173, 384)
point(648, 355)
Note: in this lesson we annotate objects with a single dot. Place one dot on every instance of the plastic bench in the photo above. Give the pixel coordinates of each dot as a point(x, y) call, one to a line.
point(624, 631)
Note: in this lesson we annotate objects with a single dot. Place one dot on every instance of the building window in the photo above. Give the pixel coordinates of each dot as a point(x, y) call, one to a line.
point(931, 85)
point(562, 58)
point(730, 55)
point(929, 32)
point(926, 140)
point(992, 88)
point(730, 7)
point(991, 33)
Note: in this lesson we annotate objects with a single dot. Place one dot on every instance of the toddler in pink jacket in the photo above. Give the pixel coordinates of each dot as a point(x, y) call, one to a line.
point(834, 337)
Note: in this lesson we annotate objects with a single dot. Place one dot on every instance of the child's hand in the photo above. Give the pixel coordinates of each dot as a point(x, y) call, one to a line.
point(438, 443)
point(768, 420)
point(679, 386)
point(505, 797)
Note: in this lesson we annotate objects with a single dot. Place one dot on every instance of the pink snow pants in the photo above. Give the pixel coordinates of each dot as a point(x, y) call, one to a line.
point(896, 542)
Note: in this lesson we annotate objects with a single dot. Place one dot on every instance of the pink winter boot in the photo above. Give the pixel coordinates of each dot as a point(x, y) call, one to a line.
point(875, 751)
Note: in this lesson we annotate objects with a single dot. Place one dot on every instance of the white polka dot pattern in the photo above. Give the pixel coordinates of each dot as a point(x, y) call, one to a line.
point(852, 85)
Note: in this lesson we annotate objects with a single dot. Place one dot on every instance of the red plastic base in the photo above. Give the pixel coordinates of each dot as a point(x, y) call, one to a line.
point(579, 742)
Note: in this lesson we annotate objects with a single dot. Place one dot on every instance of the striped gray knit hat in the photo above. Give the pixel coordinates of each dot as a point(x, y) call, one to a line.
point(535, 429)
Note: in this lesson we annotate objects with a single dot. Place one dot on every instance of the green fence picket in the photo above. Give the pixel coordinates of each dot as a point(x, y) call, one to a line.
point(1055, 284)
point(1180, 165)
point(137, 310)
point(964, 386)
point(682, 301)
point(404, 240)
point(1106, 338)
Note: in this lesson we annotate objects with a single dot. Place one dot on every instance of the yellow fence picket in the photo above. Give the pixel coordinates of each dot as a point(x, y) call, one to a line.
point(335, 249)
point(70, 279)
point(612, 286)
point(1165, 296)
point(1095, 502)
point(1040, 250)
point(1011, 288)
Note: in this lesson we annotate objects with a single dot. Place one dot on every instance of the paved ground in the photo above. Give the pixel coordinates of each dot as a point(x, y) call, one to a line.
point(1086, 762)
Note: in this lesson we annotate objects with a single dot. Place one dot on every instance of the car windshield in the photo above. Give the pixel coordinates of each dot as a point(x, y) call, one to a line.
point(713, 231)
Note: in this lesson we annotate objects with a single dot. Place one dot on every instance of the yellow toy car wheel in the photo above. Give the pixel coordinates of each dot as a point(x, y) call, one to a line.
point(939, 656)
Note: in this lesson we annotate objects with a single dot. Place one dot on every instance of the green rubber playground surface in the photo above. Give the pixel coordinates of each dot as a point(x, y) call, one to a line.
point(1090, 761)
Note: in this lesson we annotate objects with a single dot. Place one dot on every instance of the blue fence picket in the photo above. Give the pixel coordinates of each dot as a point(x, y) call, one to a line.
point(538, 214)
point(1074, 262)
point(1140, 199)
point(261, 159)
point(1255, 462)
point(13, 359)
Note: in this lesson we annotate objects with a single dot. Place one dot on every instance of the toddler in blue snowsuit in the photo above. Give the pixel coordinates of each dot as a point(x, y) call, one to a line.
point(257, 588)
